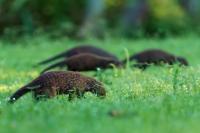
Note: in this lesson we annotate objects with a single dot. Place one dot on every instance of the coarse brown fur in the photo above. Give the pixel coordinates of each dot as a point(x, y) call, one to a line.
point(80, 50)
point(85, 62)
point(54, 83)
point(156, 57)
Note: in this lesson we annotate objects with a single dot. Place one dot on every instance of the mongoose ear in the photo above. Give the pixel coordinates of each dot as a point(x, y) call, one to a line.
point(33, 87)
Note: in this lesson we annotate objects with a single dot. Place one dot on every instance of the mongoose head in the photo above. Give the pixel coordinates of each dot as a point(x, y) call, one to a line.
point(96, 88)
point(182, 61)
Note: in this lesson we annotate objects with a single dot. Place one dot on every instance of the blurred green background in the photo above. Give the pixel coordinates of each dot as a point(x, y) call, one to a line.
point(98, 18)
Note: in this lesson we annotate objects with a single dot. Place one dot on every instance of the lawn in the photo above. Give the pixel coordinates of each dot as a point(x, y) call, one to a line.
point(160, 99)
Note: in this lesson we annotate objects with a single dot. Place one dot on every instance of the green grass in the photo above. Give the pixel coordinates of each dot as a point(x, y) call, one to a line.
point(160, 99)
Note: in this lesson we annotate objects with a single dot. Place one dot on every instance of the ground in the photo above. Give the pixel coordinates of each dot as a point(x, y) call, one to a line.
point(160, 99)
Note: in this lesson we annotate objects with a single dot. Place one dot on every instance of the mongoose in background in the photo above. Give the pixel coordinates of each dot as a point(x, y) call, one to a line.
point(85, 62)
point(79, 50)
point(54, 83)
point(156, 57)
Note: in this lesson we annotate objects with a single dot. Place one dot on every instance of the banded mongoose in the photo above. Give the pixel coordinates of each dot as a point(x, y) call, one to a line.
point(80, 50)
point(85, 62)
point(156, 57)
point(50, 84)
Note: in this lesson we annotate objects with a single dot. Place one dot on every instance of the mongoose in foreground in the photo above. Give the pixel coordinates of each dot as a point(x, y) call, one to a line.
point(80, 50)
point(85, 62)
point(54, 83)
point(156, 57)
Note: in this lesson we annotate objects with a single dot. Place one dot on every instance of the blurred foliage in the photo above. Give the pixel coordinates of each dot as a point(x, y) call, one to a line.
point(67, 16)
point(166, 16)
point(114, 3)
point(28, 14)
point(114, 9)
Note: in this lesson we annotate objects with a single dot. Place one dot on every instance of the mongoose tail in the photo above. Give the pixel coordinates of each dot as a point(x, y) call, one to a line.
point(52, 59)
point(59, 64)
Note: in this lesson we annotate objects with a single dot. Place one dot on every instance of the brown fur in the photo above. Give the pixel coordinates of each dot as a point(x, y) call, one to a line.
point(85, 62)
point(58, 82)
point(80, 50)
point(156, 57)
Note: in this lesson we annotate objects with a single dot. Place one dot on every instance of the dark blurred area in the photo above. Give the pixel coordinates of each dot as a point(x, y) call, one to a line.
point(98, 18)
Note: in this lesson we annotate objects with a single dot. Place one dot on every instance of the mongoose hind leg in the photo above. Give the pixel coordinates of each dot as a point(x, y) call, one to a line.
point(75, 94)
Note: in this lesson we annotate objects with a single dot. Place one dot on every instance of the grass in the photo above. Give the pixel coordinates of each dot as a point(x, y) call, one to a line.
point(161, 99)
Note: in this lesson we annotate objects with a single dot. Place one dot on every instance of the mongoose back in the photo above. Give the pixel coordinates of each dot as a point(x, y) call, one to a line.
point(51, 84)
point(85, 62)
point(79, 50)
point(156, 57)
